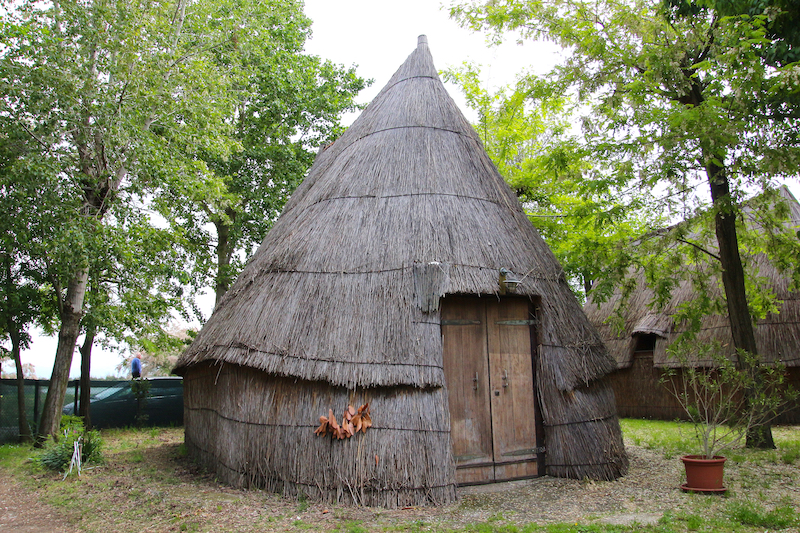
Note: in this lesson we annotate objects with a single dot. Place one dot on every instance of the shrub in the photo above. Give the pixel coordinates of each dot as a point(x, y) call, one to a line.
point(58, 455)
point(726, 402)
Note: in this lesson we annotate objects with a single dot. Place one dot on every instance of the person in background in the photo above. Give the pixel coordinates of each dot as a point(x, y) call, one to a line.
point(136, 366)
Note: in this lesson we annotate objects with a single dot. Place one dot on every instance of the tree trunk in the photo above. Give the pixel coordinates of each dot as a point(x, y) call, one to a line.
point(25, 434)
point(86, 385)
point(225, 246)
point(15, 333)
point(587, 285)
point(67, 336)
point(733, 281)
point(100, 184)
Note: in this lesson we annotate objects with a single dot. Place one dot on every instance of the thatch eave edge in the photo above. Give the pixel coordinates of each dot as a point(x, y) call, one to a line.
point(351, 375)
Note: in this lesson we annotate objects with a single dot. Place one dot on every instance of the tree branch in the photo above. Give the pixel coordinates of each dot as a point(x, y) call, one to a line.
point(35, 137)
point(711, 254)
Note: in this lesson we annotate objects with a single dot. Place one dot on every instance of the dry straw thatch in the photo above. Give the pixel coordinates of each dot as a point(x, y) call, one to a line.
point(637, 389)
point(340, 305)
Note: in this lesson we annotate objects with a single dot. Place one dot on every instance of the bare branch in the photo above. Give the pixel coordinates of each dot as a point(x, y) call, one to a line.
point(707, 252)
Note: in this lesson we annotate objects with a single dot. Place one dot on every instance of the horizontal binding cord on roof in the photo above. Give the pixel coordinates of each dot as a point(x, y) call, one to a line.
point(407, 195)
point(320, 360)
point(343, 147)
point(609, 417)
point(373, 132)
point(536, 277)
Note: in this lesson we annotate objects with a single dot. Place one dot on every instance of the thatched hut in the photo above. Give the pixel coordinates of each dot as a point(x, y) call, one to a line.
point(380, 283)
point(640, 346)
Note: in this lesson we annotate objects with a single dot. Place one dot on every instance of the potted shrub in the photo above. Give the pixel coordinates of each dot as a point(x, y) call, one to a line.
point(723, 399)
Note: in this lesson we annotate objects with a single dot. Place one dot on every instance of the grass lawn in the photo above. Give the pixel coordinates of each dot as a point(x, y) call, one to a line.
point(147, 483)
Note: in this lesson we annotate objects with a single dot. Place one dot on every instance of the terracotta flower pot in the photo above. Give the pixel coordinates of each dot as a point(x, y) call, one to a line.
point(703, 475)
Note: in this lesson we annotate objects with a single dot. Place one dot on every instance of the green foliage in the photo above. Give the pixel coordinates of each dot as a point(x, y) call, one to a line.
point(780, 22)
point(71, 422)
point(206, 111)
point(58, 455)
point(285, 105)
point(667, 105)
point(675, 99)
point(89, 90)
point(580, 214)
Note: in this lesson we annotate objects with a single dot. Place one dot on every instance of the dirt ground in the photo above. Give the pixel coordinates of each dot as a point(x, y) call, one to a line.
point(189, 500)
point(21, 511)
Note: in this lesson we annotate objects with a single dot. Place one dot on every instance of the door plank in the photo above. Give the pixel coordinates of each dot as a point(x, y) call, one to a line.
point(512, 397)
point(464, 358)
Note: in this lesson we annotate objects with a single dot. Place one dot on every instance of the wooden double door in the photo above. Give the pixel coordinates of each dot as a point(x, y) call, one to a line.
point(489, 370)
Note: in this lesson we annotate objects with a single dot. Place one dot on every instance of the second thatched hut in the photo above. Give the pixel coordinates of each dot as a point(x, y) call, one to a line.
point(389, 280)
point(641, 345)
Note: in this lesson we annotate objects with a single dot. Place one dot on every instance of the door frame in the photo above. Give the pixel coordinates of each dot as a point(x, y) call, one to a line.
point(534, 312)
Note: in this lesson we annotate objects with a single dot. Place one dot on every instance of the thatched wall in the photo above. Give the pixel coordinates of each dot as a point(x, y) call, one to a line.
point(582, 433)
point(253, 429)
point(640, 393)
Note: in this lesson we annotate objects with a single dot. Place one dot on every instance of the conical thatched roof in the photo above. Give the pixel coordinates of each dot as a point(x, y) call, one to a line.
point(406, 202)
point(777, 335)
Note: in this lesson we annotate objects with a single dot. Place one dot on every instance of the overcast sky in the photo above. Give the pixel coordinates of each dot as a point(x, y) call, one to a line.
point(377, 36)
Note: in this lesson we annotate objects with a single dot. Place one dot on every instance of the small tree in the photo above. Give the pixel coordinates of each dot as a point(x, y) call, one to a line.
point(141, 391)
point(725, 401)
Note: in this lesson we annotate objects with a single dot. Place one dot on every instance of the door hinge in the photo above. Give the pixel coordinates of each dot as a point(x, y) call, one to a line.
point(526, 451)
